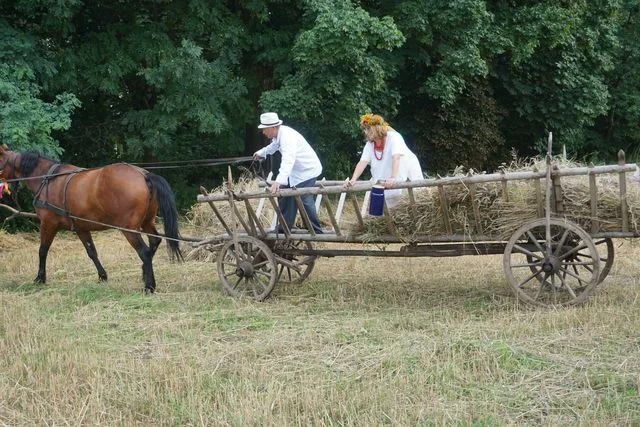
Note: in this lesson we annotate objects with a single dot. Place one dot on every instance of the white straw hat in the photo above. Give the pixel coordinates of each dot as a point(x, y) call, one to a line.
point(269, 120)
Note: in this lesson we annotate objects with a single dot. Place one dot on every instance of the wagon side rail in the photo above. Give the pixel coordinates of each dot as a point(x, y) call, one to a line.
point(251, 224)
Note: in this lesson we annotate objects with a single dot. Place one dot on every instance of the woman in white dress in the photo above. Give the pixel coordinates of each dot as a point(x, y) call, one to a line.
point(390, 159)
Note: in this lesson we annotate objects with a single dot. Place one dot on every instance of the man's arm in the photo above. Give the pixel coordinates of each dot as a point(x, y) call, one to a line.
point(265, 151)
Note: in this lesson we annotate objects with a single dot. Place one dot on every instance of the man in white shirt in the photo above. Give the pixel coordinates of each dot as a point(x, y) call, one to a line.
point(299, 167)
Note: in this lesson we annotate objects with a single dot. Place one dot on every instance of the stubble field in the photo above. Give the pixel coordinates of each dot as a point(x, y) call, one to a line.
point(364, 341)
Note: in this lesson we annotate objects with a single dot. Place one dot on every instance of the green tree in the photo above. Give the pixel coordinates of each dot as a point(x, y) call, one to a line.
point(339, 71)
point(27, 119)
point(447, 111)
point(154, 79)
point(552, 75)
point(463, 80)
point(619, 128)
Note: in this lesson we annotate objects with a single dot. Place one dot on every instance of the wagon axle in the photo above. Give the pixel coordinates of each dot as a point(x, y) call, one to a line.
point(551, 265)
point(245, 269)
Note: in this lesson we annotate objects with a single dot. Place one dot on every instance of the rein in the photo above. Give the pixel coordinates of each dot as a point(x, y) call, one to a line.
point(160, 165)
point(188, 163)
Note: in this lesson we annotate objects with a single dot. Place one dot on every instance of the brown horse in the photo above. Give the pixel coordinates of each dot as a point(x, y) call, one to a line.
point(85, 200)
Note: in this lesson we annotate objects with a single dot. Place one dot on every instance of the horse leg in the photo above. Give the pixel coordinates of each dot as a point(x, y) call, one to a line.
point(47, 234)
point(87, 241)
point(144, 252)
point(154, 241)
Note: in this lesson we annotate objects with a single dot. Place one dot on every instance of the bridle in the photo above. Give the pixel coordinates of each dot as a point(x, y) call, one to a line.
point(3, 165)
point(5, 160)
point(11, 179)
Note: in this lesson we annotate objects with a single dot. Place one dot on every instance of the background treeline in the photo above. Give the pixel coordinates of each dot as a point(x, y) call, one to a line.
point(466, 82)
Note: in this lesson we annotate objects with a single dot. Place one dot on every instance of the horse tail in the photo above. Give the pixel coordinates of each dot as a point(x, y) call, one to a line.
point(168, 211)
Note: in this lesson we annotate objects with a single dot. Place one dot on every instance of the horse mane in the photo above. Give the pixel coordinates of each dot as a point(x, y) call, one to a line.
point(29, 160)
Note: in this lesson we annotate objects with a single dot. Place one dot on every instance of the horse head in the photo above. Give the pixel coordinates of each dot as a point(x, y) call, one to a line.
point(7, 162)
point(17, 166)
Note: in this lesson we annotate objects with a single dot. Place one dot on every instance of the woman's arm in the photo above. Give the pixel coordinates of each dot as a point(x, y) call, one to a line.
point(360, 167)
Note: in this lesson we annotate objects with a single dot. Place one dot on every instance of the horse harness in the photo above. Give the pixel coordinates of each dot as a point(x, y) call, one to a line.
point(44, 186)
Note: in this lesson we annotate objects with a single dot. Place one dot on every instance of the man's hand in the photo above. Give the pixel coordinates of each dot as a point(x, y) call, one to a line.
point(275, 186)
point(257, 157)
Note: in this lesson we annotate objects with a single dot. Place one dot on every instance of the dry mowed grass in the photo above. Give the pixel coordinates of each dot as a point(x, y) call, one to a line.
point(364, 341)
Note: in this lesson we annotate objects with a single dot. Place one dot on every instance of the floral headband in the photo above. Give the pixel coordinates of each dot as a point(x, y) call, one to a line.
point(368, 120)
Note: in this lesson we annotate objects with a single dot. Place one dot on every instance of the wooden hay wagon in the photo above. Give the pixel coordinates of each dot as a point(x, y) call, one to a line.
point(549, 260)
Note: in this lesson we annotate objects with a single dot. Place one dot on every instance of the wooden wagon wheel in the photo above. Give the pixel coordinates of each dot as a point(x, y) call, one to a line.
point(293, 268)
point(561, 268)
point(605, 251)
point(247, 268)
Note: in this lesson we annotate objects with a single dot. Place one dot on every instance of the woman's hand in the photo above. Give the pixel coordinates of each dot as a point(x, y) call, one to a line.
point(349, 183)
point(389, 182)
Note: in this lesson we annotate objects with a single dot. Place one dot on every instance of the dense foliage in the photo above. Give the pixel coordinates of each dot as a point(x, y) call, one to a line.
point(467, 82)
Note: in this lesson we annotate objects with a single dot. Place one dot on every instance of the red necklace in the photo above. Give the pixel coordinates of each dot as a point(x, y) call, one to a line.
point(375, 151)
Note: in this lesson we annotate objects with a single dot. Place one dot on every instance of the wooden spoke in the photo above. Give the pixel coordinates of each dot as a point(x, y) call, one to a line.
point(292, 267)
point(523, 250)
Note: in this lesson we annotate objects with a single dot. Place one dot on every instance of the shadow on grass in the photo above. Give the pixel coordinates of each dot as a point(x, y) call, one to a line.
point(322, 295)
point(85, 294)
point(27, 288)
point(91, 293)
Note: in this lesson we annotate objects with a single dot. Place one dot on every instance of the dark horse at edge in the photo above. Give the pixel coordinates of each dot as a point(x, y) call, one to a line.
point(118, 195)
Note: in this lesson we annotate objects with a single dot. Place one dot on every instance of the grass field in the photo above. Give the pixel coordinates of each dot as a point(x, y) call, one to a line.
point(364, 341)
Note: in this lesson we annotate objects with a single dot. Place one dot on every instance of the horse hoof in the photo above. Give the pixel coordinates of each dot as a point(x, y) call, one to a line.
point(40, 280)
point(149, 291)
point(102, 278)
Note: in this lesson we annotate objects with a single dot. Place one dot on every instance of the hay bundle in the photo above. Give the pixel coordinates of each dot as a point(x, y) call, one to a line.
point(509, 215)
point(609, 215)
point(426, 216)
point(500, 216)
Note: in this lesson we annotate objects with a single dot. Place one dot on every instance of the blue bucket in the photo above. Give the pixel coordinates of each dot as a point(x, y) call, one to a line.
point(376, 202)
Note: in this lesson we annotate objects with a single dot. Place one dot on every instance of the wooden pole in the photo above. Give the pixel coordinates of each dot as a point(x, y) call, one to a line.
point(623, 193)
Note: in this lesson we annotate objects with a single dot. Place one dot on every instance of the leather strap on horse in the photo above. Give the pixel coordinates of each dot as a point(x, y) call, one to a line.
point(64, 197)
point(44, 185)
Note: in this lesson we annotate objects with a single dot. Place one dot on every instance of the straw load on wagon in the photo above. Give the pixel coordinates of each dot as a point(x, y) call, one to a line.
point(499, 214)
